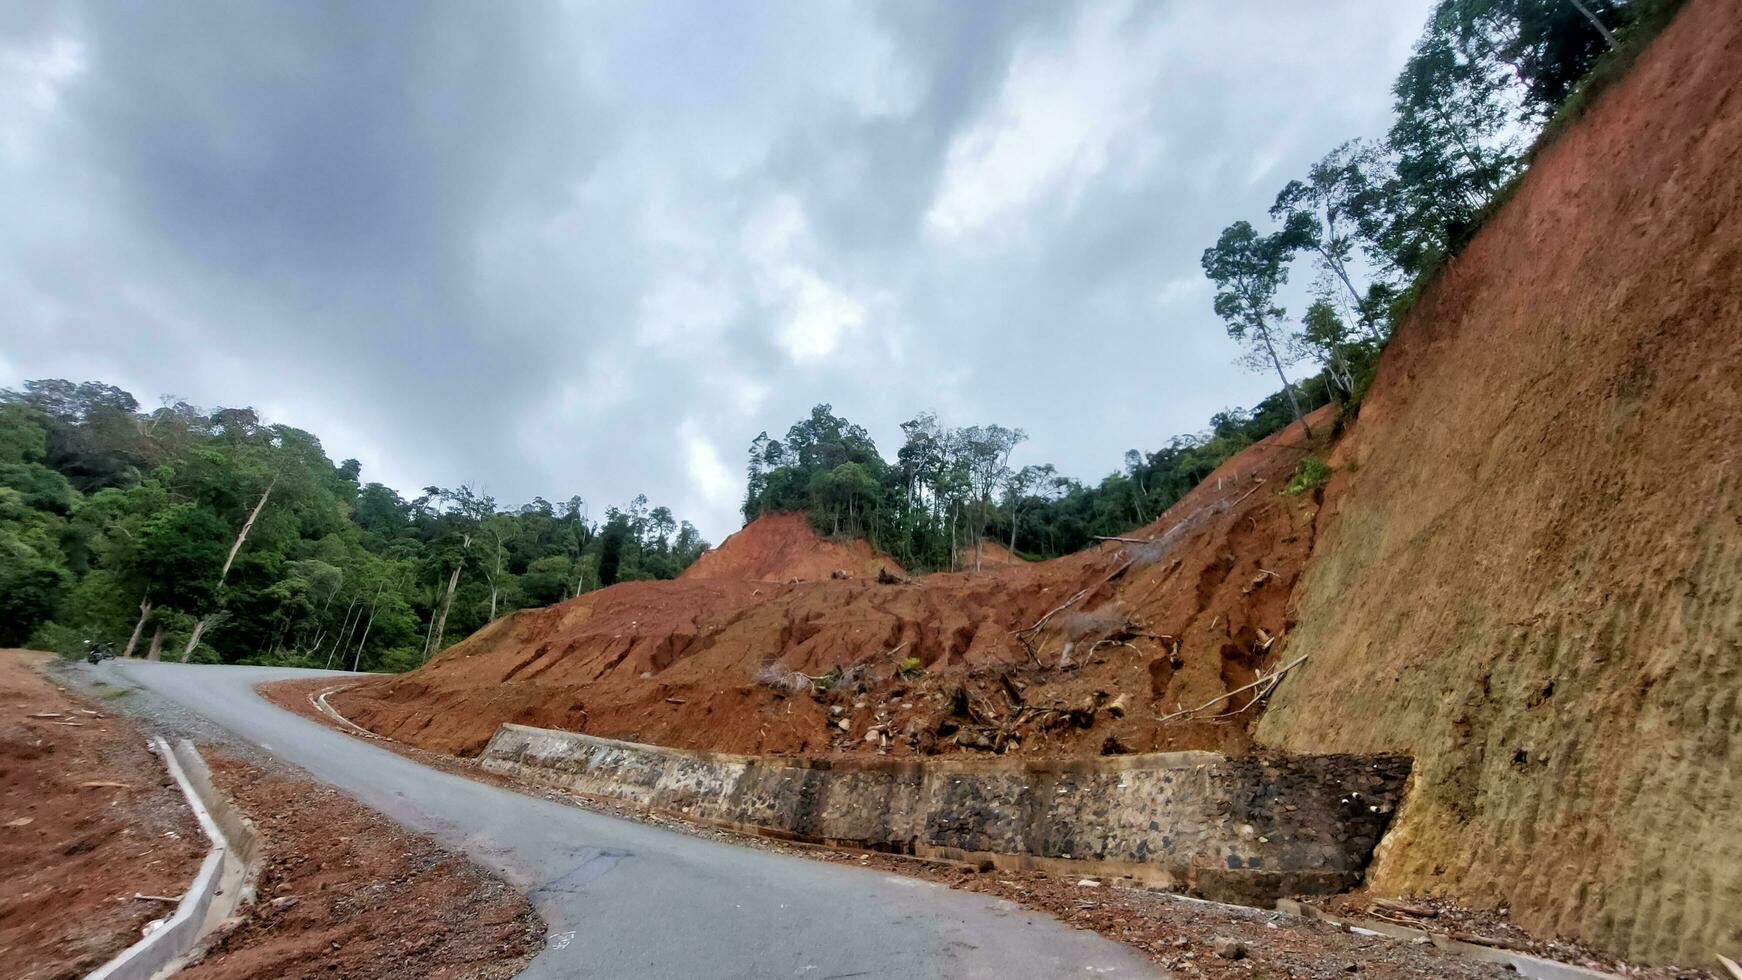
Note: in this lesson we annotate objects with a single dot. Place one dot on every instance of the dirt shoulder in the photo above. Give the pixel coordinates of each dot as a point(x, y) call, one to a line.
point(89, 819)
point(347, 892)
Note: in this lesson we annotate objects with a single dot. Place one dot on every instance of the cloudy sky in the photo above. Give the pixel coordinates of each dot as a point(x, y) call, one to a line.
point(595, 248)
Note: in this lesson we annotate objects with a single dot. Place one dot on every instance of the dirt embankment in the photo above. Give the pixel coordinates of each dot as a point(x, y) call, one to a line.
point(989, 554)
point(784, 548)
point(89, 819)
point(1533, 582)
point(1136, 632)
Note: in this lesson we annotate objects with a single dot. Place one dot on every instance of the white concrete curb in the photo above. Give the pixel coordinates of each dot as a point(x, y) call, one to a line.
point(319, 700)
point(225, 879)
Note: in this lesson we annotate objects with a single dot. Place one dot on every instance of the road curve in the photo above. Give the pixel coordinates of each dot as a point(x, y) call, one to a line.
point(624, 899)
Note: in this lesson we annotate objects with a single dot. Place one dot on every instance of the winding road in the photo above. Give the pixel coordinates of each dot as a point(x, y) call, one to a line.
point(624, 899)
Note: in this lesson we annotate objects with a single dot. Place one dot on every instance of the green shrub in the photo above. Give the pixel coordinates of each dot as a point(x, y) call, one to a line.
point(55, 638)
point(1310, 475)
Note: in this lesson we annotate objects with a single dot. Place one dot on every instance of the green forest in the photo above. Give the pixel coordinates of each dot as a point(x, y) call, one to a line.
point(1372, 222)
point(214, 537)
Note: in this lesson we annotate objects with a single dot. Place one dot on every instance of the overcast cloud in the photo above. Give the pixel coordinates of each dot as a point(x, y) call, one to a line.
point(595, 248)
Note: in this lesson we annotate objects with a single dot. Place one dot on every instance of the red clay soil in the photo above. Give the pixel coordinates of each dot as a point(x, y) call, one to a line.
point(1532, 582)
point(345, 892)
point(990, 553)
point(1136, 632)
point(784, 548)
point(88, 819)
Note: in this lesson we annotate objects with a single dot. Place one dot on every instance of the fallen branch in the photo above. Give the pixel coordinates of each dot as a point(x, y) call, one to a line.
point(1731, 965)
point(1419, 911)
point(1115, 537)
point(1493, 941)
point(1262, 679)
point(1248, 493)
point(1073, 600)
point(1113, 643)
point(1261, 695)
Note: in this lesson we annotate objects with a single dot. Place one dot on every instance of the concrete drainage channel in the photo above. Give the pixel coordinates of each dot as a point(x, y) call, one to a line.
point(224, 881)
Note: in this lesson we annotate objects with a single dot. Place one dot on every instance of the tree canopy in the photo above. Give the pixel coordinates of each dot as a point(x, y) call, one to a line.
point(241, 541)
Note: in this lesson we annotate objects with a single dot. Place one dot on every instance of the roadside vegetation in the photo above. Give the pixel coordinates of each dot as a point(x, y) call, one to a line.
point(211, 536)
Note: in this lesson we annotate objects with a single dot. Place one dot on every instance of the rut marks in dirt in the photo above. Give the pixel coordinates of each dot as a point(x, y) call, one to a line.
point(538, 654)
point(615, 660)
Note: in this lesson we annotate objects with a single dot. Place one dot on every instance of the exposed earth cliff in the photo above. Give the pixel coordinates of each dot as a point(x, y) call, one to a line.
point(1530, 582)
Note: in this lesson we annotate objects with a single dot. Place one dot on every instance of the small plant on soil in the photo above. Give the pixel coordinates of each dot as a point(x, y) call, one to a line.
point(1311, 475)
point(910, 669)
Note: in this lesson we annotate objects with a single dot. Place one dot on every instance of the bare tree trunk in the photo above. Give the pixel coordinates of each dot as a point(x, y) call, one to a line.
point(1608, 37)
point(344, 632)
point(358, 659)
point(953, 562)
point(139, 627)
point(1343, 274)
point(441, 623)
point(194, 638)
point(205, 623)
point(1293, 402)
point(156, 651)
point(241, 536)
point(980, 535)
point(247, 526)
point(1013, 513)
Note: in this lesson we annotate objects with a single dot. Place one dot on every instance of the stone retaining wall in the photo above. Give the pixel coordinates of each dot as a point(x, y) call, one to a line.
point(1234, 829)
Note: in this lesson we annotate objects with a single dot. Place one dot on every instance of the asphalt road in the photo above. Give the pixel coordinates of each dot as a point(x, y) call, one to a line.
point(624, 899)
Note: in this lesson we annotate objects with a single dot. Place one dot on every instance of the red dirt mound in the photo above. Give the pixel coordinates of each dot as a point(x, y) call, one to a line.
point(1127, 634)
point(991, 555)
point(784, 548)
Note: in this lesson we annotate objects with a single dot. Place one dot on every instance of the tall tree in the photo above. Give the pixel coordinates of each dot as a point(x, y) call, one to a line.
point(1326, 214)
point(1248, 268)
point(1549, 45)
point(1454, 143)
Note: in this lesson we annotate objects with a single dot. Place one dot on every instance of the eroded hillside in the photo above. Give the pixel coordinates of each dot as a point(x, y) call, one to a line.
point(1531, 581)
point(761, 663)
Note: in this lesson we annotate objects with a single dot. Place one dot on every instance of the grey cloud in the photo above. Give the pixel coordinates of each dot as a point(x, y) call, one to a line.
point(432, 233)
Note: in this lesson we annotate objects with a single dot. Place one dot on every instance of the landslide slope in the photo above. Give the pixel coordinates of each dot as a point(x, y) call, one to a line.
point(1532, 582)
point(783, 547)
point(709, 661)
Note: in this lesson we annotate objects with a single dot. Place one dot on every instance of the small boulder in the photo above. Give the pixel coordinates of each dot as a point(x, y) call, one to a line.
point(1228, 948)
